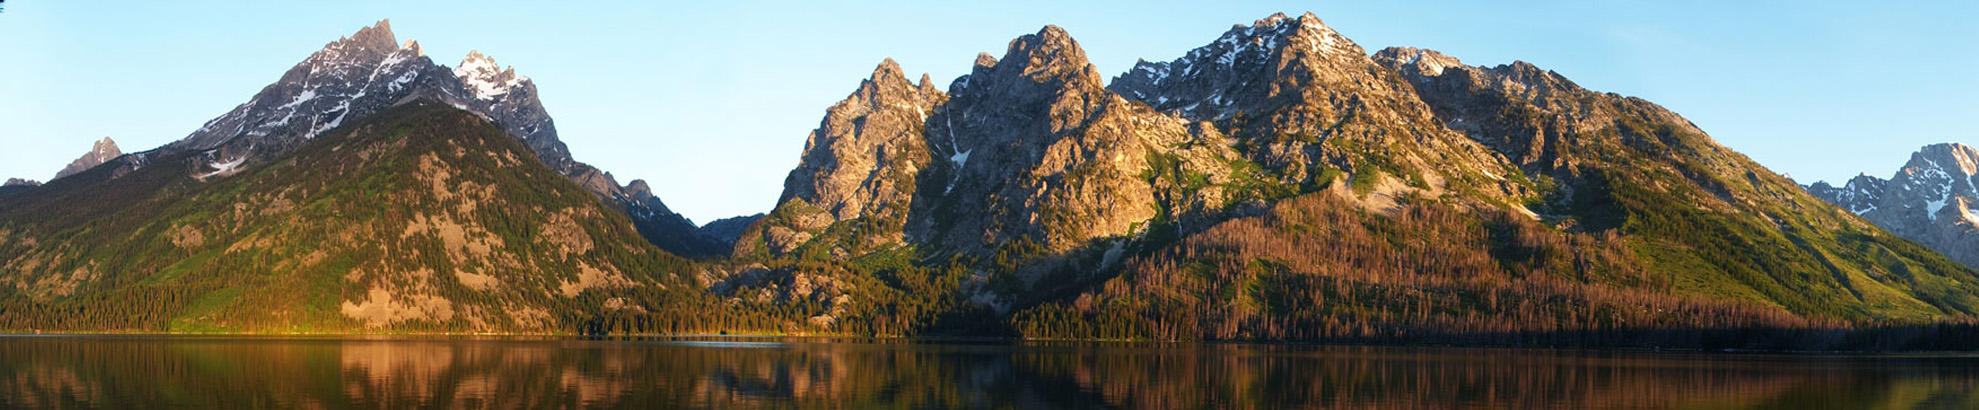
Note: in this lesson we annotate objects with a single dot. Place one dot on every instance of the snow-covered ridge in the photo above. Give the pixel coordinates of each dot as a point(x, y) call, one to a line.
point(362, 74)
point(486, 79)
point(1209, 81)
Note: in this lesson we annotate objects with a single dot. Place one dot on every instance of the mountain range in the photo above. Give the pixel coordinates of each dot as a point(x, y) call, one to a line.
point(1278, 183)
point(1930, 200)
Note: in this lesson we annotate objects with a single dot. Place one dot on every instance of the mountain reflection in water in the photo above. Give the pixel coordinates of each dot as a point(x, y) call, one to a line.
point(136, 372)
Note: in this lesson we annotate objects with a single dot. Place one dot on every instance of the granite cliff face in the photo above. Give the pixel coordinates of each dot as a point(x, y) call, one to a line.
point(1033, 150)
point(103, 151)
point(1931, 200)
point(858, 172)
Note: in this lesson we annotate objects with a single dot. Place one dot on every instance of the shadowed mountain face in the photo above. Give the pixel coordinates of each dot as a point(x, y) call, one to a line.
point(1930, 200)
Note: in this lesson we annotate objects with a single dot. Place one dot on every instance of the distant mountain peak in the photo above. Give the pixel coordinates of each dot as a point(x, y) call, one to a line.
point(887, 67)
point(102, 151)
point(377, 38)
point(1271, 20)
point(985, 60)
point(487, 79)
point(104, 145)
point(1422, 61)
point(1051, 53)
point(1927, 201)
point(1951, 157)
point(1210, 81)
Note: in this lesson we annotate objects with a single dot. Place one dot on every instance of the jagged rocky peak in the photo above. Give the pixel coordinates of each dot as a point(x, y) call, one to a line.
point(1930, 200)
point(1032, 147)
point(99, 153)
point(511, 100)
point(638, 189)
point(640, 194)
point(1310, 101)
point(1419, 61)
point(1860, 194)
point(1307, 75)
point(364, 73)
point(1050, 55)
point(1418, 64)
point(17, 182)
point(486, 79)
point(1308, 34)
point(351, 77)
point(1270, 45)
point(861, 162)
point(377, 36)
point(927, 86)
point(1952, 159)
point(369, 46)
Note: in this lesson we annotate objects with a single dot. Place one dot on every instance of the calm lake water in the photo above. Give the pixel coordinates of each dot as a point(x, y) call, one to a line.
point(140, 372)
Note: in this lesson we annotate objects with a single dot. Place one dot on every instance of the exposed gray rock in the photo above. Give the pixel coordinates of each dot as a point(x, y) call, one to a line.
point(103, 151)
point(861, 165)
point(366, 72)
point(1932, 200)
point(1299, 100)
point(17, 182)
point(511, 100)
point(1033, 148)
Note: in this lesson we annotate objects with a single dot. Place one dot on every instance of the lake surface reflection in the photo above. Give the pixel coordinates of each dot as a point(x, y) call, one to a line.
point(139, 372)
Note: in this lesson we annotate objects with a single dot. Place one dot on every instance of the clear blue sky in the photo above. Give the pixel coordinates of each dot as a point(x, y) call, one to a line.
point(710, 101)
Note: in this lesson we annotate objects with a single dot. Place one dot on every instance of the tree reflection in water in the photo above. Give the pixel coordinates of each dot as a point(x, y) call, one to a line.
point(535, 373)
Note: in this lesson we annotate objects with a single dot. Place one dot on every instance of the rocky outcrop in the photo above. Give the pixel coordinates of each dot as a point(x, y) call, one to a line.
point(1931, 200)
point(511, 100)
point(17, 182)
point(1304, 103)
point(859, 167)
point(1032, 150)
point(103, 151)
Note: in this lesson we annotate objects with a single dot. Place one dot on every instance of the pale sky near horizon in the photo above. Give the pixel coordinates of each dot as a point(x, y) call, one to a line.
point(710, 102)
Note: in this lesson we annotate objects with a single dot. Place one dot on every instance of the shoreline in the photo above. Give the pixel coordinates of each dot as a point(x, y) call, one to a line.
point(889, 340)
